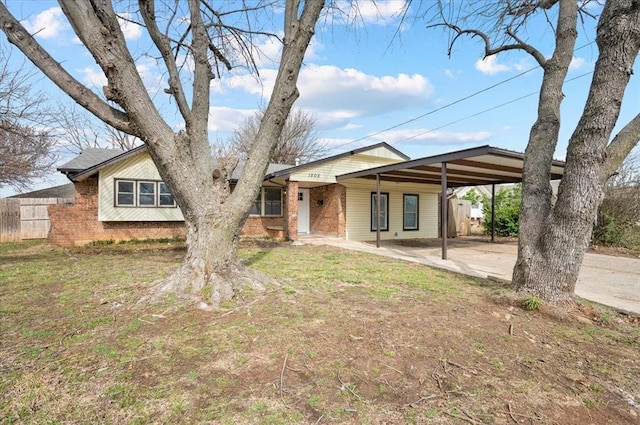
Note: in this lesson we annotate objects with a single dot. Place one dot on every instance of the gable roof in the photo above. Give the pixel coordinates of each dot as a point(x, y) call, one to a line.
point(469, 167)
point(291, 170)
point(96, 159)
point(88, 158)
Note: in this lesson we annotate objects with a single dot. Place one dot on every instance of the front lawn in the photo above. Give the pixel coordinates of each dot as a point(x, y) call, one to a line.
point(345, 338)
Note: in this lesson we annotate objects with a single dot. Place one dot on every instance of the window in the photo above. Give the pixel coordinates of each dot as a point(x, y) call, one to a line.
point(268, 202)
point(410, 212)
point(272, 201)
point(146, 194)
point(384, 208)
point(132, 193)
point(165, 198)
point(124, 194)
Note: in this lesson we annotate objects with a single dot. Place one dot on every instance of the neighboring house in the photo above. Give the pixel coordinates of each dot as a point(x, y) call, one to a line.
point(120, 195)
point(66, 191)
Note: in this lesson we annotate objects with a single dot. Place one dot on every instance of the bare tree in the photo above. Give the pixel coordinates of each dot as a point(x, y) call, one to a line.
point(76, 130)
point(298, 141)
point(26, 148)
point(618, 221)
point(553, 238)
point(212, 40)
point(25, 155)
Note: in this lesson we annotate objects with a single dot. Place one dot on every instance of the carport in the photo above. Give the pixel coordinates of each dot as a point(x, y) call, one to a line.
point(484, 165)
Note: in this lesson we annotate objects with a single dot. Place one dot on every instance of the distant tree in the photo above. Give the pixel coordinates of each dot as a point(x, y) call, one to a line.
point(297, 142)
point(26, 147)
point(25, 155)
point(77, 130)
point(472, 196)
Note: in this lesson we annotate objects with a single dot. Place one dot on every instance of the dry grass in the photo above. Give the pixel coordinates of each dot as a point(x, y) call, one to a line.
point(345, 338)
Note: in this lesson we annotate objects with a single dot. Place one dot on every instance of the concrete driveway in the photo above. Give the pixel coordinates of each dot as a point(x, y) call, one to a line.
point(608, 280)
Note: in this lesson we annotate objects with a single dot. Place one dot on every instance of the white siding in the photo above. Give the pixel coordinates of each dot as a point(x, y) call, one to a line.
point(326, 172)
point(383, 152)
point(359, 210)
point(138, 167)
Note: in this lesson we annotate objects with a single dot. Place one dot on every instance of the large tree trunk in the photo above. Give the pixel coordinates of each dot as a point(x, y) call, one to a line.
point(551, 252)
point(214, 217)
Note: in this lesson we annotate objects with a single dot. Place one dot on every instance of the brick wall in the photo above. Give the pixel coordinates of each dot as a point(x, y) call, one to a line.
point(78, 224)
point(291, 211)
point(327, 205)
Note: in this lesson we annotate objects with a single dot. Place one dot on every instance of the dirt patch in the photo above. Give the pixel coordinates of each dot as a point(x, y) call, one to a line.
point(345, 338)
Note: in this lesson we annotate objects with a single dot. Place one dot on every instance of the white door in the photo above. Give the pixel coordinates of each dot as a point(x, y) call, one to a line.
point(303, 210)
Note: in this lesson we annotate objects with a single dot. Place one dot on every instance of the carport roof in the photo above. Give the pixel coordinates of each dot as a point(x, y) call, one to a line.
point(468, 167)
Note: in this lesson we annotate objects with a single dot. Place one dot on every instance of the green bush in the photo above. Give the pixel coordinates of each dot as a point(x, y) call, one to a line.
point(507, 211)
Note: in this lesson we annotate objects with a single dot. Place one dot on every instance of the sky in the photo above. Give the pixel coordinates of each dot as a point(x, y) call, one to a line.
point(365, 80)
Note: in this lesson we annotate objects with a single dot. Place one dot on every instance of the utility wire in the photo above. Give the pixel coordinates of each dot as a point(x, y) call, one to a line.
point(482, 112)
point(459, 101)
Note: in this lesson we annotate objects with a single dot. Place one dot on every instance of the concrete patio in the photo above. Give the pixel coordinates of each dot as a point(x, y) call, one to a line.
point(605, 279)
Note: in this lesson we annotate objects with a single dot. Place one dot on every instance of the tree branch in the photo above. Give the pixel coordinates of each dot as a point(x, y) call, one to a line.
point(202, 74)
point(20, 37)
point(162, 42)
point(622, 144)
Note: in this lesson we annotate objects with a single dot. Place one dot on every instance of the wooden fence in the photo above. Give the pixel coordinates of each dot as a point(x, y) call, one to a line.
point(26, 218)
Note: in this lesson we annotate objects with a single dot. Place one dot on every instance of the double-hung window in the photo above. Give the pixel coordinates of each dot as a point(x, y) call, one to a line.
point(384, 209)
point(268, 202)
point(142, 193)
point(125, 193)
point(410, 212)
point(146, 194)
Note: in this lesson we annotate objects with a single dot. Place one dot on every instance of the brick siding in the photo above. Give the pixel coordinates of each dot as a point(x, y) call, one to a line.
point(78, 224)
point(327, 205)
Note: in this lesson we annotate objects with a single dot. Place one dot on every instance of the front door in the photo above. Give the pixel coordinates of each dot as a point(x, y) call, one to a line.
point(303, 210)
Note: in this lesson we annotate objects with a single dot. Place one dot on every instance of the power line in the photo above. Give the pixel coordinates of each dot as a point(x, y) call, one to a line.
point(482, 112)
point(459, 101)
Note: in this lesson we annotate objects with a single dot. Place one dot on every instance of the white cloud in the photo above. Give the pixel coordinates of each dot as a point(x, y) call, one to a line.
point(369, 11)
point(130, 30)
point(576, 63)
point(490, 65)
point(336, 95)
point(93, 77)
point(417, 135)
point(222, 118)
point(47, 24)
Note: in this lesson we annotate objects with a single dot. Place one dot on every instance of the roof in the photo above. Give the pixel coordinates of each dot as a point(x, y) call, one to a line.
point(63, 191)
point(109, 156)
point(96, 159)
point(291, 170)
point(468, 167)
point(88, 158)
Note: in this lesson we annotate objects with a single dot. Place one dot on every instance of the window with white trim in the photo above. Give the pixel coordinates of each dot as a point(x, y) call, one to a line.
point(146, 194)
point(125, 193)
point(384, 208)
point(143, 193)
point(410, 212)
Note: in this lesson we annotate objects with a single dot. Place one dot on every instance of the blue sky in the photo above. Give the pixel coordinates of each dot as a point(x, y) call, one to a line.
point(359, 80)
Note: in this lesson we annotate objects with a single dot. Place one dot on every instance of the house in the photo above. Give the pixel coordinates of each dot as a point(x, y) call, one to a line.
point(371, 193)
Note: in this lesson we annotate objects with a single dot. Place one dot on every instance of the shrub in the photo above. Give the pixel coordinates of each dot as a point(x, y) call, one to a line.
point(507, 211)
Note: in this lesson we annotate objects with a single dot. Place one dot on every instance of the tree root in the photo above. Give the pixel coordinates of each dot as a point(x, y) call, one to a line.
point(207, 290)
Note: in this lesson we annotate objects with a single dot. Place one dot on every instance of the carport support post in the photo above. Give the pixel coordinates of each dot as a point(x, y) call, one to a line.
point(377, 210)
point(493, 212)
point(443, 210)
